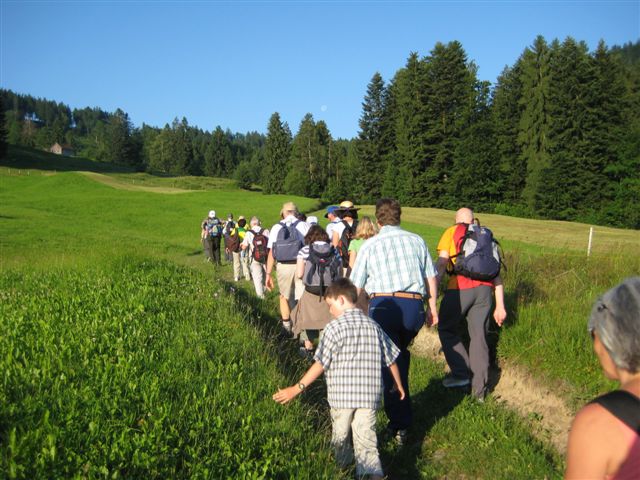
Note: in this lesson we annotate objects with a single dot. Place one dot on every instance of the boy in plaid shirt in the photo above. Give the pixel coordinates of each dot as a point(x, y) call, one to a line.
point(352, 352)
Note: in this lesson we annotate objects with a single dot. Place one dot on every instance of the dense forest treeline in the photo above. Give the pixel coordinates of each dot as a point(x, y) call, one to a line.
point(557, 136)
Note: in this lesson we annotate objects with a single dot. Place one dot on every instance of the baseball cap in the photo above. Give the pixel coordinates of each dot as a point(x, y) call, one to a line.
point(312, 220)
point(212, 213)
point(330, 209)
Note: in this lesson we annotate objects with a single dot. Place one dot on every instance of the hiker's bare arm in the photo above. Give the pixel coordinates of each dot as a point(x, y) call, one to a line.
point(395, 373)
point(432, 314)
point(270, 263)
point(441, 264)
point(285, 395)
point(299, 267)
point(352, 258)
point(500, 313)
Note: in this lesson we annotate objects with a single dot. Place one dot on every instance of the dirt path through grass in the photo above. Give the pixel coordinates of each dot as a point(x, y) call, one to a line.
point(115, 183)
point(546, 413)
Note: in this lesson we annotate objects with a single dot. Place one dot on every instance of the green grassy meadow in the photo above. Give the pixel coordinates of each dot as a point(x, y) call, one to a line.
point(126, 356)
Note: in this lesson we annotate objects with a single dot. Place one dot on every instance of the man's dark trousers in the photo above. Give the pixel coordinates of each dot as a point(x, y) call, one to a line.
point(401, 319)
point(475, 304)
point(214, 243)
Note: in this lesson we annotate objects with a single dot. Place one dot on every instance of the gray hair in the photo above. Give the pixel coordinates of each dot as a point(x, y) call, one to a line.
point(254, 221)
point(616, 319)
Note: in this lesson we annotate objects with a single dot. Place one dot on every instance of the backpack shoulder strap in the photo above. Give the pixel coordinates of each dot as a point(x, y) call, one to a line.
point(623, 405)
point(460, 243)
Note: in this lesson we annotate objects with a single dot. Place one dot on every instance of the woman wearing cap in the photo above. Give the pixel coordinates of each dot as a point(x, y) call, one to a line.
point(604, 441)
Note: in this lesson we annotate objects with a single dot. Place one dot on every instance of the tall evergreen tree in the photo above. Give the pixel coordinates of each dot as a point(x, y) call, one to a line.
point(161, 151)
point(506, 111)
point(218, 157)
point(371, 149)
point(182, 147)
point(450, 102)
point(118, 140)
point(276, 155)
point(307, 173)
point(575, 182)
point(533, 129)
point(474, 178)
point(409, 126)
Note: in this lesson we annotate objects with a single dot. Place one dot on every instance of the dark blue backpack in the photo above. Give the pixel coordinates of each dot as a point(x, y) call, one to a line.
point(478, 256)
point(214, 227)
point(288, 243)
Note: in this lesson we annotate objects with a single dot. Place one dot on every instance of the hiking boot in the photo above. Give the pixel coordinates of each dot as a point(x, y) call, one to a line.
point(454, 382)
point(398, 436)
point(401, 437)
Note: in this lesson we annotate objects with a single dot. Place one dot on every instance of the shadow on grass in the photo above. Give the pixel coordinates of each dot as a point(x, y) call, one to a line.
point(429, 406)
point(263, 314)
point(29, 158)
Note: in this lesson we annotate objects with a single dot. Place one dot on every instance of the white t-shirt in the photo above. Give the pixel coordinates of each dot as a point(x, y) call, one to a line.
point(331, 226)
point(302, 227)
point(339, 228)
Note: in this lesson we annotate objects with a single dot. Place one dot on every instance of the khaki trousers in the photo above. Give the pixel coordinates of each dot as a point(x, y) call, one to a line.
point(357, 426)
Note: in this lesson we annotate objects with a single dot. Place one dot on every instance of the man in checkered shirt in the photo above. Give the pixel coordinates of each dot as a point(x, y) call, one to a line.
point(352, 352)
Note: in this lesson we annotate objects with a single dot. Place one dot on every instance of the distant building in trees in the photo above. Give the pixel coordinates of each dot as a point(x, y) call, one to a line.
point(65, 150)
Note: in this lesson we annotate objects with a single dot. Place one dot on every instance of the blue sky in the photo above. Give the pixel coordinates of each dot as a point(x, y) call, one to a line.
point(234, 64)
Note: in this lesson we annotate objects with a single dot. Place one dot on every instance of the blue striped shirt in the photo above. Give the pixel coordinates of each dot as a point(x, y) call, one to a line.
point(393, 261)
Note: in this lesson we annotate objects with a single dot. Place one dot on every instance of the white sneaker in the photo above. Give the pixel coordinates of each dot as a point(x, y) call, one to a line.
point(451, 382)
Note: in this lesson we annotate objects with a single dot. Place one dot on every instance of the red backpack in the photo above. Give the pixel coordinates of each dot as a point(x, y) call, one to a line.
point(259, 243)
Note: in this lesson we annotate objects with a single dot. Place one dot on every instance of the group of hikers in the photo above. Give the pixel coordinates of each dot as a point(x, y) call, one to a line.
point(354, 296)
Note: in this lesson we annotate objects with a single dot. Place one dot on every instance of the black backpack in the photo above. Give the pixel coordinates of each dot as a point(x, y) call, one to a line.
point(321, 269)
point(259, 244)
point(345, 239)
point(478, 256)
point(288, 243)
point(228, 227)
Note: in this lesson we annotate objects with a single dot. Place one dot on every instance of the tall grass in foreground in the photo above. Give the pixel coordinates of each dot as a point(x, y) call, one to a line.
point(549, 300)
point(142, 370)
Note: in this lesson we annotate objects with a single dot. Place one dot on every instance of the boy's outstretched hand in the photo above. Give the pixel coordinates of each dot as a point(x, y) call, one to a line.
point(285, 395)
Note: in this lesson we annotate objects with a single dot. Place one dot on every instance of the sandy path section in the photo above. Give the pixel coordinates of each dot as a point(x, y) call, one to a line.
point(120, 185)
point(546, 413)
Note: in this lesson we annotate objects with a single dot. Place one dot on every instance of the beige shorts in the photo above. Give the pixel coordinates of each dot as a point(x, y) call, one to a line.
point(289, 286)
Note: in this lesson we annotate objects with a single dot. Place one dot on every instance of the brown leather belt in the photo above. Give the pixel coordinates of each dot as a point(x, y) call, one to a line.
point(414, 296)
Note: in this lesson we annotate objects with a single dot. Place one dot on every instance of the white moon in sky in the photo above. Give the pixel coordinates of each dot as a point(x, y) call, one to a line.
point(323, 108)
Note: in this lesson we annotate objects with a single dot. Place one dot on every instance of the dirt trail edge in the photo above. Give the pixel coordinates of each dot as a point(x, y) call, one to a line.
point(546, 413)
